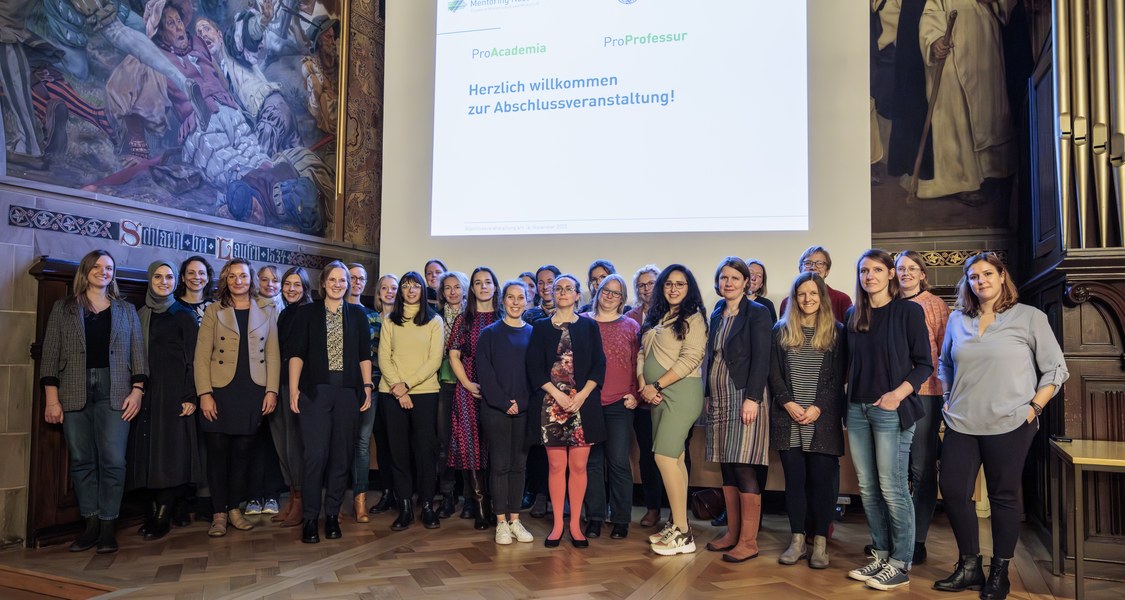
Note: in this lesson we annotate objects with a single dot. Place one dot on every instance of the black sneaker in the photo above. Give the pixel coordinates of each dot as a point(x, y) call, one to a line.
point(889, 578)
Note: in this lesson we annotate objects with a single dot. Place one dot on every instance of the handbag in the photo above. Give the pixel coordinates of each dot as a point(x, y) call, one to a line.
point(707, 503)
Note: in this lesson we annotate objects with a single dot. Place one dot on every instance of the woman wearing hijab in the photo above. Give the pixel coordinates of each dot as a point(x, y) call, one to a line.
point(163, 441)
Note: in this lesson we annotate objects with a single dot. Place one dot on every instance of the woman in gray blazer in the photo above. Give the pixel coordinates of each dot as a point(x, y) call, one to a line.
point(93, 374)
point(237, 370)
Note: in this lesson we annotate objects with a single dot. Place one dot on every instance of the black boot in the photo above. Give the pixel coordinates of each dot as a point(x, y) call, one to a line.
point(332, 527)
point(150, 521)
point(107, 537)
point(997, 586)
point(405, 515)
point(967, 576)
point(718, 521)
point(480, 511)
point(429, 516)
point(89, 537)
point(309, 532)
point(384, 504)
point(161, 523)
point(447, 508)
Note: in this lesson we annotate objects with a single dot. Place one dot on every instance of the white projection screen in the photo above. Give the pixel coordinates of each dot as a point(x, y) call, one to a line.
point(646, 183)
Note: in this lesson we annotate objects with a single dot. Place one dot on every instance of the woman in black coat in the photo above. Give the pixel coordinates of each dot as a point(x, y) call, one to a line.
point(163, 443)
point(565, 360)
point(807, 390)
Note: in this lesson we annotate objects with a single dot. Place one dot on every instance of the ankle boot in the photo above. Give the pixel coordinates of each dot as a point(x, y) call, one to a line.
point(819, 557)
point(997, 586)
point(89, 536)
point(309, 532)
point(405, 515)
point(447, 508)
point(734, 522)
point(797, 550)
point(239, 522)
point(161, 524)
point(107, 537)
point(386, 501)
point(361, 508)
point(296, 510)
point(430, 517)
point(150, 520)
point(747, 547)
point(967, 576)
point(282, 516)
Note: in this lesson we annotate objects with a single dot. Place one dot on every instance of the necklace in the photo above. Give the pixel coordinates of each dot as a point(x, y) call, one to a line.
point(912, 296)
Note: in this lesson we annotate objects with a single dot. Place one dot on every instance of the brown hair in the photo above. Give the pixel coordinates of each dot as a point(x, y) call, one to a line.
point(811, 250)
point(762, 290)
point(82, 281)
point(737, 264)
point(328, 268)
point(824, 327)
point(861, 316)
point(967, 301)
point(919, 260)
point(223, 295)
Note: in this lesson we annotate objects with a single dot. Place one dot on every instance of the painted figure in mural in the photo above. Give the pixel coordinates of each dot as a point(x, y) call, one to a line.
point(27, 150)
point(973, 138)
point(259, 97)
point(321, 71)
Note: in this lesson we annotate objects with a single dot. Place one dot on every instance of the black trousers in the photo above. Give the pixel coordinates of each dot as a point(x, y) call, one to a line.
point(328, 423)
point(228, 460)
point(810, 489)
point(447, 476)
point(652, 485)
point(413, 432)
point(383, 446)
point(1003, 456)
point(506, 436)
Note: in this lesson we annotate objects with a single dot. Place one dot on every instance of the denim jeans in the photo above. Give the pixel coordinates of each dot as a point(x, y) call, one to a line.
point(881, 452)
point(96, 438)
point(924, 452)
point(361, 471)
point(612, 456)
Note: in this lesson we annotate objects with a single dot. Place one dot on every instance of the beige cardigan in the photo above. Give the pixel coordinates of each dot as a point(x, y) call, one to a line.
point(682, 357)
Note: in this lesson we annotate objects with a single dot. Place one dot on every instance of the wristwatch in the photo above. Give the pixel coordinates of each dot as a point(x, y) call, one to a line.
point(656, 385)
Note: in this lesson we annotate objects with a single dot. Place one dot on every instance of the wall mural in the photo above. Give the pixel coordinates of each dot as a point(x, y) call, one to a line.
point(226, 108)
point(963, 81)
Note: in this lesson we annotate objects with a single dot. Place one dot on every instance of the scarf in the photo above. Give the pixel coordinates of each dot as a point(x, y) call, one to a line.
point(154, 303)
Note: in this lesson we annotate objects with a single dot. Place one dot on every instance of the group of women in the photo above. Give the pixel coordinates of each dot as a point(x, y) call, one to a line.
point(461, 376)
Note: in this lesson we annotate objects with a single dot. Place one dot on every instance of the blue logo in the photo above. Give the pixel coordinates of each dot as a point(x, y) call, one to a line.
point(627, 1)
point(456, 5)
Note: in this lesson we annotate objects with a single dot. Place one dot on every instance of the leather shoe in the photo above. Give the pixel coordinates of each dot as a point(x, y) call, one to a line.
point(620, 531)
point(405, 515)
point(579, 543)
point(430, 518)
point(309, 533)
point(593, 529)
point(447, 507)
point(386, 501)
point(549, 543)
point(332, 527)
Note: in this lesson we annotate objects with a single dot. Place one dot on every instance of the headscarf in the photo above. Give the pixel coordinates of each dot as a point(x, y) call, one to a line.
point(154, 303)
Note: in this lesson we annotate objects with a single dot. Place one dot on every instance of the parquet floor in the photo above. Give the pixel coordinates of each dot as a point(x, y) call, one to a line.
point(455, 561)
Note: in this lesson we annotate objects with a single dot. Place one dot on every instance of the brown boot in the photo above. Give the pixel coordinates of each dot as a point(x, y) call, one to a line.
point(361, 508)
point(285, 512)
point(747, 548)
point(295, 517)
point(728, 540)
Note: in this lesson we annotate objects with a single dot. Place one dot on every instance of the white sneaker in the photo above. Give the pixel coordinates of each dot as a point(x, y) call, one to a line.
point(668, 527)
point(521, 534)
point(677, 542)
point(503, 533)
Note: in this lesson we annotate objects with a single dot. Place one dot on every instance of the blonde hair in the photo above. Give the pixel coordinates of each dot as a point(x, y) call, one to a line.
point(824, 325)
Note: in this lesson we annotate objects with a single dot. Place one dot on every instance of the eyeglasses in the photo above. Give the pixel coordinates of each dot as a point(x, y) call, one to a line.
point(410, 287)
point(564, 289)
point(646, 286)
point(912, 270)
point(677, 285)
point(814, 264)
point(612, 294)
point(359, 279)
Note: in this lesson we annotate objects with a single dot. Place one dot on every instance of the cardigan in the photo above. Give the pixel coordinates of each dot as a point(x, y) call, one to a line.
point(746, 351)
point(828, 436)
point(309, 342)
point(216, 348)
point(937, 315)
point(905, 351)
point(682, 357)
point(589, 365)
point(64, 353)
point(841, 302)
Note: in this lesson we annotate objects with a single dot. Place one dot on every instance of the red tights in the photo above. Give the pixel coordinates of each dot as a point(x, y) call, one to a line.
point(558, 459)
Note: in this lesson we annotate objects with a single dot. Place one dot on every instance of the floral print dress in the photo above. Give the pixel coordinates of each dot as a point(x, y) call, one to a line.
point(559, 427)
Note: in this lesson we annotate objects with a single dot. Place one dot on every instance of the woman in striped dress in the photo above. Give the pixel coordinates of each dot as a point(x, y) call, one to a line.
point(738, 352)
point(807, 388)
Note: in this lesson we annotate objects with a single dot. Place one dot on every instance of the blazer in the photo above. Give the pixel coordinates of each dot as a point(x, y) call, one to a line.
point(828, 434)
point(589, 365)
point(307, 340)
point(64, 353)
point(746, 351)
point(216, 350)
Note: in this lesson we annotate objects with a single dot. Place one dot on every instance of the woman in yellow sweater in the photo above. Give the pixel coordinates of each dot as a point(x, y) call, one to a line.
point(410, 351)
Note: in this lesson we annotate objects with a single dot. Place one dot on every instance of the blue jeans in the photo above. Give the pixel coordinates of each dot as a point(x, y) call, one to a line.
point(881, 452)
point(612, 456)
point(361, 472)
point(96, 438)
point(924, 452)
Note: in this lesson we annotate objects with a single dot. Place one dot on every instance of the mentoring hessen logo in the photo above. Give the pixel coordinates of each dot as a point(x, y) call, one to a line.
point(456, 5)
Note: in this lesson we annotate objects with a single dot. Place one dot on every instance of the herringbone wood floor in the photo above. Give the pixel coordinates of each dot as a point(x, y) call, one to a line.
point(456, 561)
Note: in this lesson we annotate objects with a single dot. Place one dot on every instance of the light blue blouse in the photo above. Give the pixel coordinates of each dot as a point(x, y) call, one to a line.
point(991, 378)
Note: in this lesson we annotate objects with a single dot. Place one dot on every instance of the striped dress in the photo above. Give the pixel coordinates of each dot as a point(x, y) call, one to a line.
point(804, 375)
point(728, 440)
